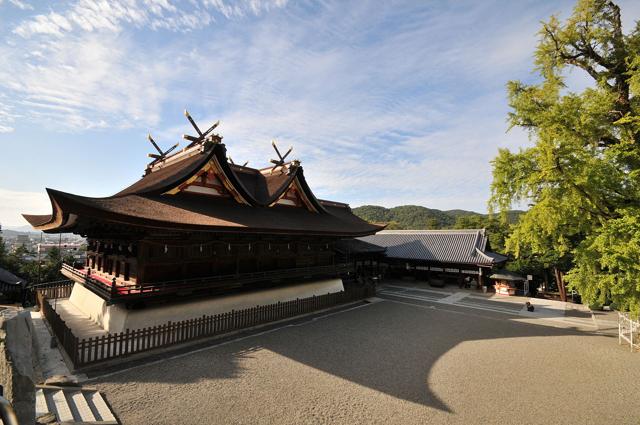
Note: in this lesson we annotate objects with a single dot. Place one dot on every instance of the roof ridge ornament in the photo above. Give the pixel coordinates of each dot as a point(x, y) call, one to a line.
point(202, 136)
point(233, 163)
point(280, 162)
point(161, 154)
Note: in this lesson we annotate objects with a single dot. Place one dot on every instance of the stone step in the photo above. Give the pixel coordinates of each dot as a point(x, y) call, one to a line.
point(81, 408)
point(104, 413)
point(63, 412)
point(73, 405)
point(41, 403)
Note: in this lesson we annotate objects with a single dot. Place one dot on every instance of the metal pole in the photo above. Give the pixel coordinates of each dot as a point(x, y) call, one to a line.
point(39, 262)
point(631, 333)
point(619, 328)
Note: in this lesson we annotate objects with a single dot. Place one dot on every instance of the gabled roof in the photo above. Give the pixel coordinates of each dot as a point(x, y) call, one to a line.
point(158, 200)
point(9, 278)
point(507, 275)
point(443, 246)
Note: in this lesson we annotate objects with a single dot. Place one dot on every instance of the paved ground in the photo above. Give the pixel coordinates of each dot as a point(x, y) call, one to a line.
point(398, 361)
point(49, 359)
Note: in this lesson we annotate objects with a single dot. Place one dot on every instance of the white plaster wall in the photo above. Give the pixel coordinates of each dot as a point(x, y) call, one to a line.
point(116, 318)
point(110, 318)
point(175, 312)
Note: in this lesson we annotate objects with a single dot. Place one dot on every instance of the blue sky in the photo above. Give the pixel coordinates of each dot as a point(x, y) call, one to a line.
point(384, 102)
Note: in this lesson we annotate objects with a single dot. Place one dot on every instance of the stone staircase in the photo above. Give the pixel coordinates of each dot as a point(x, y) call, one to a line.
point(73, 405)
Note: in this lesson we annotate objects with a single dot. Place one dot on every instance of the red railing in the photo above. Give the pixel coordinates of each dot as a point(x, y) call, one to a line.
point(119, 293)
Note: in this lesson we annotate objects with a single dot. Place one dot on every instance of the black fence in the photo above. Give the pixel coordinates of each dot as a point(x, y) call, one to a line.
point(83, 352)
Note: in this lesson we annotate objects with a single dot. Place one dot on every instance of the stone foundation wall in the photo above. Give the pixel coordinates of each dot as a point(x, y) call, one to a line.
point(116, 318)
point(18, 362)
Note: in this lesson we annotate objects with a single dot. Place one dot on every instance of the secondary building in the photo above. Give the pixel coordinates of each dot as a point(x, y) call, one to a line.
point(461, 257)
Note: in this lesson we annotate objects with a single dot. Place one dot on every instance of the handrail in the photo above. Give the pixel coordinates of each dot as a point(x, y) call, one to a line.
point(108, 292)
point(50, 283)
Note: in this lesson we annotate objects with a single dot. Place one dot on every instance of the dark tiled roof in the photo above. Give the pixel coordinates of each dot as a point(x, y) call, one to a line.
point(443, 246)
point(357, 246)
point(188, 211)
point(264, 188)
point(170, 176)
point(507, 275)
point(8, 277)
point(152, 201)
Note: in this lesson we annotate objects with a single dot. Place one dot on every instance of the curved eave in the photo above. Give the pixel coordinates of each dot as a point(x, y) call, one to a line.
point(78, 213)
point(52, 222)
point(307, 191)
point(490, 260)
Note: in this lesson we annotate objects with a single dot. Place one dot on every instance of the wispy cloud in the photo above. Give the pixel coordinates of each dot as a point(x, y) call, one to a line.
point(385, 103)
point(89, 15)
point(21, 4)
point(13, 203)
point(84, 82)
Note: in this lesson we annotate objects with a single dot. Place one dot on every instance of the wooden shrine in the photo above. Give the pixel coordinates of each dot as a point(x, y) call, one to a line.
point(196, 223)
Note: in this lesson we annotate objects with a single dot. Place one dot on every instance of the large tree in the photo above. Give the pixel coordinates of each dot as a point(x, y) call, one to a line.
point(581, 177)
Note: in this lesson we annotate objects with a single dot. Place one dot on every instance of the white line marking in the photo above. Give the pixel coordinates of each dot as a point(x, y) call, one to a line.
point(408, 288)
point(557, 319)
point(415, 297)
point(402, 294)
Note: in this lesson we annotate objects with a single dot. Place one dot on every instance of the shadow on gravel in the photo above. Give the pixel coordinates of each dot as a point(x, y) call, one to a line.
point(388, 347)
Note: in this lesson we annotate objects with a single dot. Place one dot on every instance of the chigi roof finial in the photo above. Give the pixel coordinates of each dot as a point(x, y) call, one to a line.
point(201, 135)
point(160, 155)
point(279, 162)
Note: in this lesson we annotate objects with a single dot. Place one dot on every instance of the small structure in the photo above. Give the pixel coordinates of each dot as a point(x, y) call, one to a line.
point(198, 224)
point(11, 286)
point(508, 283)
point(438, 255)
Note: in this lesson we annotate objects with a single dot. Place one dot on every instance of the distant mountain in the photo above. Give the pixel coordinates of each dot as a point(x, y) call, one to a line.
point(418, 217)
point(20, 229)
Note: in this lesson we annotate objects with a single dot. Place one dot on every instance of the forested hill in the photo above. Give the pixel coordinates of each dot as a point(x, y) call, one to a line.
point(417, 217)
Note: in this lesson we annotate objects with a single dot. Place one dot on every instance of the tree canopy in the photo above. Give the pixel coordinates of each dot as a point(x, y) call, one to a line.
point(581, 177)
point(418, 218)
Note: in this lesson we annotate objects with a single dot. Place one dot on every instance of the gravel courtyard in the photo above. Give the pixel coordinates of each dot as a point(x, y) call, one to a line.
point(390, 363)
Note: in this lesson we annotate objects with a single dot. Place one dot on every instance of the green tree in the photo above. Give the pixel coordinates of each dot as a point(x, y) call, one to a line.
point(582, 175)
point(3, 253)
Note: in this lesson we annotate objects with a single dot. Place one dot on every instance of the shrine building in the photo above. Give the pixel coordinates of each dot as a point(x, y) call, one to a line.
point(197, 225)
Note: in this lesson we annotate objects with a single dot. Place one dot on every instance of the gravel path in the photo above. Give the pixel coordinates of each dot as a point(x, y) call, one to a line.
point(390, 363)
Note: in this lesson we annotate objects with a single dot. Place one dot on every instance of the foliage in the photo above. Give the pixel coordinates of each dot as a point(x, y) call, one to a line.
point(417, 217)
point(16, 263)
point(582, 175)
point(497, 230)
point(406, 216)
point(3, 253)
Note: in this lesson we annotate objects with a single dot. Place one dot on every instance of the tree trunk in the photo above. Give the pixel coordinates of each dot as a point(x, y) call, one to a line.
point(560, 282)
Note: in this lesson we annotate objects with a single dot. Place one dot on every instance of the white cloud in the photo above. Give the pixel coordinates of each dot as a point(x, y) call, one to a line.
point(21, 4)
point(86, 82)
point(15, 203)
point(88, 15)
point(384, 103)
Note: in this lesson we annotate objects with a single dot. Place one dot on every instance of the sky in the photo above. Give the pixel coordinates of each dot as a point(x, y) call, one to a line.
point(384, 102)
